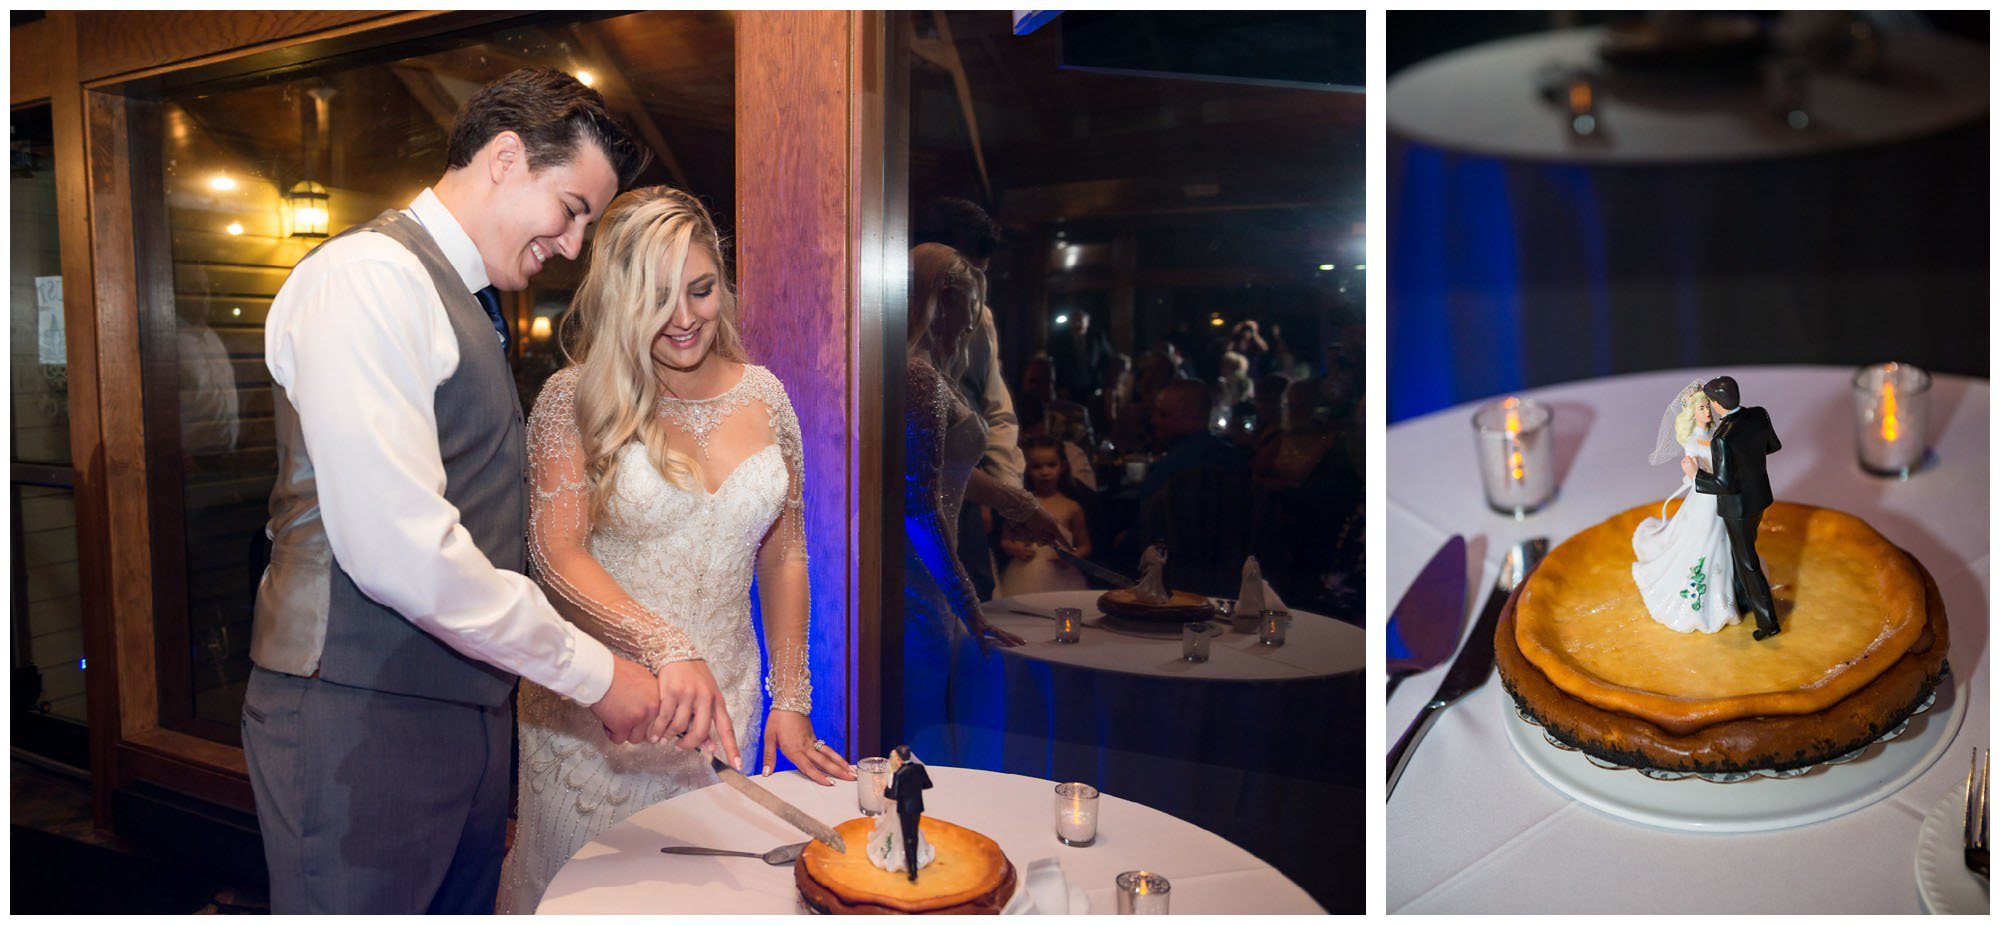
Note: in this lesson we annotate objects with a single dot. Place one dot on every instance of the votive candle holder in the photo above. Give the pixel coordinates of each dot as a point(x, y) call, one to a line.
point(1076, 814)
point(1516, 454)
point(1194, 641)
point(871, 777)
point(1142, 892)
point(1892, 409)
point(1069, 624)
point(1272, 626)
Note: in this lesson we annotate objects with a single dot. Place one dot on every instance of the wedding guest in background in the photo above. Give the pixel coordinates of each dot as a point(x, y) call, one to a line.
point(1041, 411)
point(1234, 385)
point(1078, 351)
point(1033, 566)
point(1307, 433)
point(1245, 339)
point(1181, 432)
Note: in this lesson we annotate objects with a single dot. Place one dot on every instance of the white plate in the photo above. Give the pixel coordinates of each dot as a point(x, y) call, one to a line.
point(1946, 886)
point(1755, 805)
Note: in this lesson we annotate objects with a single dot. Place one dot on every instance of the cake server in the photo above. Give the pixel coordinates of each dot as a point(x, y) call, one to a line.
point(1094, 570)
point(792, 815)
point(1475, 660)
point(1424, 628)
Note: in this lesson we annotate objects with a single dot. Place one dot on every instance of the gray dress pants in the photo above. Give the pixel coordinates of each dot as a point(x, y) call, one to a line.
point(376, 803)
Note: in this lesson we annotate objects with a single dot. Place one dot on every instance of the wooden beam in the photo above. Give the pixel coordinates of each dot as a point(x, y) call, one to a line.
point(125, 45)
point(943, 52)
point(796, 230)
point(93, 534)
point(28, 70)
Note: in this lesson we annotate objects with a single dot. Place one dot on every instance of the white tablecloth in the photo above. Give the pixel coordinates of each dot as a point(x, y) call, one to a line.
point(623, 871)
point(1483, 100)
point(1471, 828)
point(1315, 646)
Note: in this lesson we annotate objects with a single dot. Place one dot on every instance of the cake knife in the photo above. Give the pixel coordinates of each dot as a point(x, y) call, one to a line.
point(783, 810)
point(1475, 658)
point(1094, 570)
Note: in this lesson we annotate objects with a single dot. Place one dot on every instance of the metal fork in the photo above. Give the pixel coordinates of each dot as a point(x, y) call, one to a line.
point(1976, 811)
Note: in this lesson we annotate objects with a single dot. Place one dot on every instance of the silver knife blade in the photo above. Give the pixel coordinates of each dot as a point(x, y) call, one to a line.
point(1424, 627)
point(1475, 660)
point(1094, 570)
point(793, 815)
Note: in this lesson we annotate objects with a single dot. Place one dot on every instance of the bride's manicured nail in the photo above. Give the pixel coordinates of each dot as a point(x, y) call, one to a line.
point(767, 770)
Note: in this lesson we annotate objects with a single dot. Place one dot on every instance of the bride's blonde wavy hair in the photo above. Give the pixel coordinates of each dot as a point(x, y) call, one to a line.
point(640, 251)
point(934, 270)
point(1684, 420)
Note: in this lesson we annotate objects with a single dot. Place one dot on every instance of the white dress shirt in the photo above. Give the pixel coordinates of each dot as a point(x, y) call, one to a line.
point(360, 341)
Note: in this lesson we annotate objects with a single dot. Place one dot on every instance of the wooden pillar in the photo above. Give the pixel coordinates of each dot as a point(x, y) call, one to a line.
point(818, 290)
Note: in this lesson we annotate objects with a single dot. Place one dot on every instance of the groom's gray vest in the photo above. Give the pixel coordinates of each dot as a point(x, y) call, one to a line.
point(310, 617)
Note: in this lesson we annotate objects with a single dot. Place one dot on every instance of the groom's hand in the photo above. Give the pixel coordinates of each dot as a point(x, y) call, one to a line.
point(630, 704)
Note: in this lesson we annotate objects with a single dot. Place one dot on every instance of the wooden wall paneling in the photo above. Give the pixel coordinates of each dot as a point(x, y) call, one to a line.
point(93, 535)
point(31, 51)
point(794, 248)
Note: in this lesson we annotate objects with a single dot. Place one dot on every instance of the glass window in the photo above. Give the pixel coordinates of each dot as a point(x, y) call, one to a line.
point(255, 173)
point(46, 614)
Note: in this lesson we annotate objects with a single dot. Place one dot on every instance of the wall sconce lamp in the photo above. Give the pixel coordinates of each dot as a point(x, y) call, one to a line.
point(306, 210)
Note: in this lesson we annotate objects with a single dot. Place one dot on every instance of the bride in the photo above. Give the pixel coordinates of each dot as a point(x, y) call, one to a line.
point(667, 474)
point(942, 447)
point(1683, 567)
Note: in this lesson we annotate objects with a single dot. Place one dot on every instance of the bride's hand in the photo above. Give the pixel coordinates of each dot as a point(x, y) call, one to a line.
point(692, 711)
point(1687, 466)
point(792, 733)
point(989, 635)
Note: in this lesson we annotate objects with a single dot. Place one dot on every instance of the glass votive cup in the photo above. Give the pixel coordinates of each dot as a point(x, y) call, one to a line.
point(1516, 454)
point(1892, 410)
point(1076, 814)
point(1271, 626)
point(1194, 641)
point(1142, 892)
point(871, 777)
point(1069, 624)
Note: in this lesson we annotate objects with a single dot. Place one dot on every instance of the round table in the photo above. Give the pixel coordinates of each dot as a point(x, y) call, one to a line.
point(1482, 100)
point(623, 871)
point(1695, 230)
point(1501, 840)
point(1315, 646)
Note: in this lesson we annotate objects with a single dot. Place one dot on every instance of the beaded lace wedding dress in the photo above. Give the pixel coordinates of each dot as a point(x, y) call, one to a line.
point(666, 578)
point(944, 442)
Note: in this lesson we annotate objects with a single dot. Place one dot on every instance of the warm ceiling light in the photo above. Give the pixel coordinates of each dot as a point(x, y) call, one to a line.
point(586, 78)
point(1326, 266)
point(1062, 319)
point(1361, 266)
point(1217, 322)
point(540, 330)
point(234, 228)
point(221, 183)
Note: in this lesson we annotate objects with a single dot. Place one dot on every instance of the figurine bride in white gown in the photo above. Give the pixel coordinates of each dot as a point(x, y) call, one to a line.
point(1682, 562)
point(667, 473)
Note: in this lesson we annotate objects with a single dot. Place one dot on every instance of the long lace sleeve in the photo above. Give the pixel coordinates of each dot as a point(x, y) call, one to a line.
point(558, 540)
point(927, 407)
point(1009, 501)
point(783, 581)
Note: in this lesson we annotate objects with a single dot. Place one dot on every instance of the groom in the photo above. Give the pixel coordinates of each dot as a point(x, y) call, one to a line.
point(394, 618)
point(1737, 446)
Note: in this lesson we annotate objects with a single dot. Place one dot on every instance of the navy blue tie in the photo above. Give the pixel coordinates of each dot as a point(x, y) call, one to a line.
point(489, 299)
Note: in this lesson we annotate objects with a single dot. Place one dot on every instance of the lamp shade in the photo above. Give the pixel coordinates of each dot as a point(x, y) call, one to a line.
point(306, 210)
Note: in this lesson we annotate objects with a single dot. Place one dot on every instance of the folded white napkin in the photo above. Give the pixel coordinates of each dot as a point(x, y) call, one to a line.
point(1045, 891)
point(1256, 594)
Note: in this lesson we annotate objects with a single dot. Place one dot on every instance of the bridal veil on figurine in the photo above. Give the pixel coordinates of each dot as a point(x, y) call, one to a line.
point(1683, 565)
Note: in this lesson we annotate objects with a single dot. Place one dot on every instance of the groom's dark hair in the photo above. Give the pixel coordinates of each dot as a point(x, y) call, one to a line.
point(1722, 391)
point(553, 113)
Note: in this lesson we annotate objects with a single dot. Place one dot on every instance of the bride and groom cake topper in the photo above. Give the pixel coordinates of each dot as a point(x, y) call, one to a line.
point(1722, 446)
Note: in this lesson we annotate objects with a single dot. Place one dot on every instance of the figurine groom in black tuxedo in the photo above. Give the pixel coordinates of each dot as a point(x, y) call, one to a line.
point(1741, 439)
point(906, 786)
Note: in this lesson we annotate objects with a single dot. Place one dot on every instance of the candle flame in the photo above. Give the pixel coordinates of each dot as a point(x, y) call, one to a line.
point(1889, 425)
point(1579, 96)
point(1513, 429)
